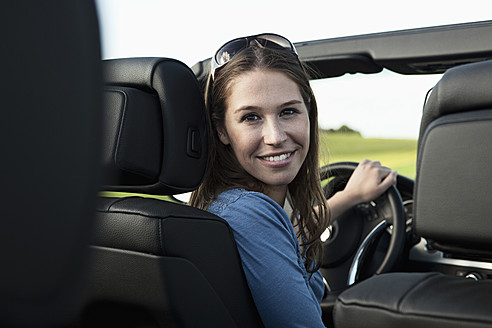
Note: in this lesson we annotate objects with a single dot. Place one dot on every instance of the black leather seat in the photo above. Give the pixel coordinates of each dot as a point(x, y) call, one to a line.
point(452, 212)
point(157, 262)
point(49, 173)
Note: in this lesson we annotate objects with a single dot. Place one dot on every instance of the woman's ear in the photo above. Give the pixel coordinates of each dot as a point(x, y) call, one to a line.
point(224, 138)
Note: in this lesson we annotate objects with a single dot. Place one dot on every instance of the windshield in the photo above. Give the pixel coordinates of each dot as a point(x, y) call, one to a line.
point(375, 116)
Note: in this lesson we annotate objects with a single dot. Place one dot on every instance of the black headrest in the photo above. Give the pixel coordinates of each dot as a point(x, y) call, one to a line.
point(452, 189)
point(155, 127)
point(461, 89)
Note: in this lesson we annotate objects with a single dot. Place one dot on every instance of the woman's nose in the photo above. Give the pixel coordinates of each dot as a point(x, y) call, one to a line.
point(273, 133)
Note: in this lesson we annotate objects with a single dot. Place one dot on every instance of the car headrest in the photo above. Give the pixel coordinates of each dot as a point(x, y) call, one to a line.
point(156, 138)
point(462, 88)
point(452, 189)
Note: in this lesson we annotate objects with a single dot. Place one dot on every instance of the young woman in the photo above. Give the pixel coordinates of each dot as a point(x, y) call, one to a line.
point(264, 153)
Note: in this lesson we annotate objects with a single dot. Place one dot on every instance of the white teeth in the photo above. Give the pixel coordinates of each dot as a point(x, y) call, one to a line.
point(277, 158)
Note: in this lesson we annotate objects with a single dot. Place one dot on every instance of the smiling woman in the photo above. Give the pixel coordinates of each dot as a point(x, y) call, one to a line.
point(267, 128)
point(260, 109)
point(262, 118)
point(264, 152)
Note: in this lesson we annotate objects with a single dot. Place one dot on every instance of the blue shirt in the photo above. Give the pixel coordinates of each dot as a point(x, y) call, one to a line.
point(284, 293)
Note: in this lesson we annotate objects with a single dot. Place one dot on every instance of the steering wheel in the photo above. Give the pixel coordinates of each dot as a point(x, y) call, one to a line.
point(366, 240)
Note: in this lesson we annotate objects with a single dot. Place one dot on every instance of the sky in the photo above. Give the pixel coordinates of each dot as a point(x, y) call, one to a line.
point(193, 30)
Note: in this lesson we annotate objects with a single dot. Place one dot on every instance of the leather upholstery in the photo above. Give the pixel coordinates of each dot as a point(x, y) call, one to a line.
point(461, 89)
point(452, 193)
point(156, 131)
point(408, 300)
point(452, 190)
point(159, 263)
point(452, 210)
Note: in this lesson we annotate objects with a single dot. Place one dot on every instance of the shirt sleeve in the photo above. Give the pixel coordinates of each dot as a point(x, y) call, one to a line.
point(271, 260)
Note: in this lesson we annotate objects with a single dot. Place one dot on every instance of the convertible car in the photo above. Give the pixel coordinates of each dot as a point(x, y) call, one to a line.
point(101, 240)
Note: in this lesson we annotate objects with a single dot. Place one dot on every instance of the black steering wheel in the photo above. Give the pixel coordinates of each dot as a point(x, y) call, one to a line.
point(366, 240)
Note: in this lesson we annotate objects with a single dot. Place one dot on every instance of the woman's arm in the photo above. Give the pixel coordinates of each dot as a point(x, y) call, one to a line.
point(369, 180)
point(272, 263)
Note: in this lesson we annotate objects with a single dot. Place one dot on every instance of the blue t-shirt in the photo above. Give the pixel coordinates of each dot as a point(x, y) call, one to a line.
point(284, 293)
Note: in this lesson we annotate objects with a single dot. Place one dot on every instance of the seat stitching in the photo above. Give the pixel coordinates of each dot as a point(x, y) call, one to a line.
point(385, 309)
point(163, 217)
point(160, 237)
point(112, 204)
point(410, 290)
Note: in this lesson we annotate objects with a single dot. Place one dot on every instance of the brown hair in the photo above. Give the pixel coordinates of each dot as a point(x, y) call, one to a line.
point(224, 171)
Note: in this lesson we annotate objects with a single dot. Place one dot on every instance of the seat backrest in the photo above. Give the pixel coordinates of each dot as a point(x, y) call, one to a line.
point(49, 172)
point(454, 175)
point(452, 212)
point(158, 262)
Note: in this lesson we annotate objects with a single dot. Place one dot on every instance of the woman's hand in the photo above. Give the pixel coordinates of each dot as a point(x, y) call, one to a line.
point(369, 180)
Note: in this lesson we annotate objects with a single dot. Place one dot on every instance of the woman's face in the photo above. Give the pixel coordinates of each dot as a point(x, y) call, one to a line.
point(267, 125)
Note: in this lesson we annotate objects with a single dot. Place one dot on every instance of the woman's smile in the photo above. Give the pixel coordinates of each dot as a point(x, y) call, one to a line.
point(267, 126)
point(277, 160)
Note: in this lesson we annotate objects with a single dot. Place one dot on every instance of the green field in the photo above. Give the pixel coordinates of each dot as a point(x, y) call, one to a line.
point(399, 154)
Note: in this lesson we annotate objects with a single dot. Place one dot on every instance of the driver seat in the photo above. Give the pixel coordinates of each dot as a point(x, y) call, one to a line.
point(157, 262)
point(451, 211)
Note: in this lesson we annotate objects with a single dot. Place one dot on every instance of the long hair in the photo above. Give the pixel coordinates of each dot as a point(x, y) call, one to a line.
point(224, 171)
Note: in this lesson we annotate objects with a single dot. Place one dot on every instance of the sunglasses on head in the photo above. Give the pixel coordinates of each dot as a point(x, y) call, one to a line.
point(233, 47)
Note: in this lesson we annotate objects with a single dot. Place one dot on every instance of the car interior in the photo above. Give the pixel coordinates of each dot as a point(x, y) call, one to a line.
point(147, 252)
point(451, 217)
point(73, 256)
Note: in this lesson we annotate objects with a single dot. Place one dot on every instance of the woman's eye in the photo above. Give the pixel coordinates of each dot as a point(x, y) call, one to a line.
point(289, 111)
point(251, 117)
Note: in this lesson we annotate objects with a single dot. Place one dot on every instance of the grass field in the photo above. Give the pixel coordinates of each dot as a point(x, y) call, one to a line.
point(399, 154)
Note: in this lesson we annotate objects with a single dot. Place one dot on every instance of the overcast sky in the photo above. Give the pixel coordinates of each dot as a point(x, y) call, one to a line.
point(193, 30)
